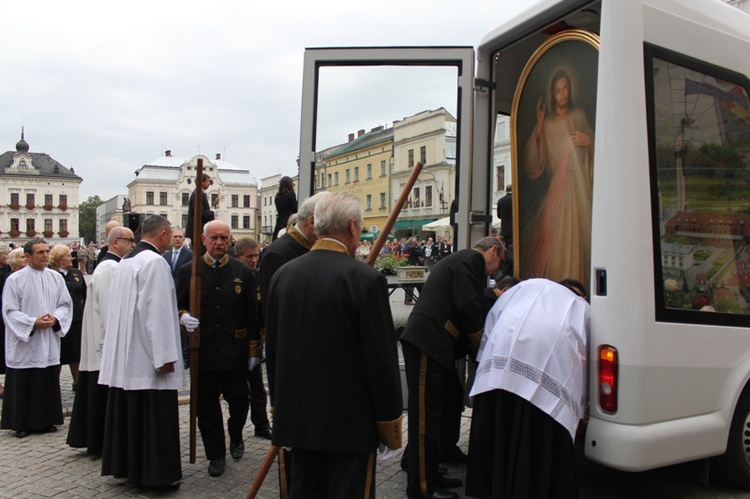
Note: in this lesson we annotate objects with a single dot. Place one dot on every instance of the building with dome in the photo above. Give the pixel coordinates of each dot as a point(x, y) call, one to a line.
point(38, 197)
point(163, 187)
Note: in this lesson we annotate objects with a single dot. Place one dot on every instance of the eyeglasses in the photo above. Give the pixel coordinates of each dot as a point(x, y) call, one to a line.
point(128, 239)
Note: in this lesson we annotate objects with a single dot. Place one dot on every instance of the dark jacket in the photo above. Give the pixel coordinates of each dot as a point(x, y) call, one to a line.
point(206, 214)
point(286, 204)
point(332, 361)
point(286, 248)
point(448, 313)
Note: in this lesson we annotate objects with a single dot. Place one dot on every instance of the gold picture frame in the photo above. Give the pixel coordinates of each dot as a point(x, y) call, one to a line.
point(552, 148)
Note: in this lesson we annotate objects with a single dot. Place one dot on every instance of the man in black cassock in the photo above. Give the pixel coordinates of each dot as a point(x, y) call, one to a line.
point(335, 389)
point(294, 243)
point(229, 342)
point(446, 319)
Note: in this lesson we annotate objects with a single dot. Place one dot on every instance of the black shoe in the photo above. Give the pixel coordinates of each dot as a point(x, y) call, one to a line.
point(51, 429)
point(454, 455)
point(266, 433)
point(23, 433)
point(445, 482)
point(168, 486)
point(443, 494)
point(216, 467)
point(236, 449)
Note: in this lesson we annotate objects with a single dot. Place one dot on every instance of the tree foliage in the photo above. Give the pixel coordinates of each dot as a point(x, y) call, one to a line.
point(87, 218)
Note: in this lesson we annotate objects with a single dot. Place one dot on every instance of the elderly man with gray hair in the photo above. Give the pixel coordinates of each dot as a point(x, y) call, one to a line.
point(342, 340)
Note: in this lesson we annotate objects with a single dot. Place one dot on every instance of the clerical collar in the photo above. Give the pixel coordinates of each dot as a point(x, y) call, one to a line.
point(330, 244)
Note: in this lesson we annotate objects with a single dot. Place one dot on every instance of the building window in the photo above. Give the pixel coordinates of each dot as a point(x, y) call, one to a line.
point(428, 195)
point(235, 201)
point(184, 223)
point(382, 200)
point(30, 199)
point(163, 198)
point(348, 176)
point(246, 201)
point(382, 168)
point(47, 225)
point(22, 165)
point(322, 179)
point(411, 157)
point(369, 171)
point(30, 225)
point(185, 198)
point(368, 202)
point(63, 200)
point(14, 198)
point(235, 221)
point(356, 174)
point(329, 179)
point(15, 225)
point(149, 197)
point(64, 225)
point(336, 178)
point(415, 197)
point(423, 155)
point(246, 221)
point(214, 197)
point(500, 178)
point(48, 200)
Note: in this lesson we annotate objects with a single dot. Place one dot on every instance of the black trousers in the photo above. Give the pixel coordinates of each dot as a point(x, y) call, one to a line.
point(258, 399)
point(233, 386)
point(325, 475)
point(427, 381)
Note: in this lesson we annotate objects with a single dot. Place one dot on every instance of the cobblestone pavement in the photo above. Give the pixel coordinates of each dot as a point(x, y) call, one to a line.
point(44, 466)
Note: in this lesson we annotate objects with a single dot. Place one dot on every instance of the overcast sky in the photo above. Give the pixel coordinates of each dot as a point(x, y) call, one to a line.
point(106, 87)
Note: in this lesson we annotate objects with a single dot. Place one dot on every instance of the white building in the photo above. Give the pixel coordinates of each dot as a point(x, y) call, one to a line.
point(38, 197)
point(268, 190)
point(163, 187)
point(428, 137)
point(109, 210)
point(501, 163)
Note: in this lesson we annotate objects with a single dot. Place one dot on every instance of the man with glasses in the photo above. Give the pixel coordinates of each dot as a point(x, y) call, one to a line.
point(90, 405)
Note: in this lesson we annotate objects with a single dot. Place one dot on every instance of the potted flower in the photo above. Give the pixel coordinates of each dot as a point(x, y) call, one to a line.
point(63, 233)
point(30, 206)
point(63, 207)
point(14, 206)
point(15, 233)
point(30, 233)
point(48, 233)
point(47, 207)
point(388, 264)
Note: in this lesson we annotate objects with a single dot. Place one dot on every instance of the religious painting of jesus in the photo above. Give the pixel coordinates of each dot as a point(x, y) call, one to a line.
point(553, 122)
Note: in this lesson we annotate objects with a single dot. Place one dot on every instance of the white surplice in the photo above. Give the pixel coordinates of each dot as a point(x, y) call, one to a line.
point(534, 345)
point(95, 315)
point(29, 294)
point(142, 331)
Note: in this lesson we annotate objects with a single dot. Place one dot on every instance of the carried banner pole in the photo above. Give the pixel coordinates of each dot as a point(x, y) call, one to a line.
point(195, 304)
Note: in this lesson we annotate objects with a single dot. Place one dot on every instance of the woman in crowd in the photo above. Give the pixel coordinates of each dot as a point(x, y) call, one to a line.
point(4, 271)
point(286, 204)
point(70, 344)
point(16, 259)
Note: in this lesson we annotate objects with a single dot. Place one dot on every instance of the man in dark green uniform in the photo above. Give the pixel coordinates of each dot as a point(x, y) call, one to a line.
point(230, 342)
point(447, 318)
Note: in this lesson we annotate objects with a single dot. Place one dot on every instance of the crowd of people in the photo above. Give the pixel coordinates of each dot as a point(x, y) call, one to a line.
point(127, 336)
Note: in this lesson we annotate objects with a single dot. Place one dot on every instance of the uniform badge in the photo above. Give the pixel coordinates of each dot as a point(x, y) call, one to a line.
point(238, 289)
point(77, 279)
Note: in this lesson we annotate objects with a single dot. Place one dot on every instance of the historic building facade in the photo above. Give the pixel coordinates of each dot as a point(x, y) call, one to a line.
point(163, 187)
point(38, 197)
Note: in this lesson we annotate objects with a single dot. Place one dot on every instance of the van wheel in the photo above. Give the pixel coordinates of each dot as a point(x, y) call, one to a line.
point(734, 464)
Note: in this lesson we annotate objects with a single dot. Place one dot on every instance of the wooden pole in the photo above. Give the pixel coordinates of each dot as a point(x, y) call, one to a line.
point(375, 251)
point(274, 450)
point(195, 304)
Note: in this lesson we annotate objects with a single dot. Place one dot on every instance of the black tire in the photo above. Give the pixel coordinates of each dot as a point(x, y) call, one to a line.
point(734, 465)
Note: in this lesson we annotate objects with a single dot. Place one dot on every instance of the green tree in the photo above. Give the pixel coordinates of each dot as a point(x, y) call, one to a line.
point(87, 218)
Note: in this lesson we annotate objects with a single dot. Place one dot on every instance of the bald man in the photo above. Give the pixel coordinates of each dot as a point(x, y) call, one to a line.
point(105, 249)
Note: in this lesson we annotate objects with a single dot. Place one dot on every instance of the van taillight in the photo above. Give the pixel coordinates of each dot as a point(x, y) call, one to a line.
point(608, 379)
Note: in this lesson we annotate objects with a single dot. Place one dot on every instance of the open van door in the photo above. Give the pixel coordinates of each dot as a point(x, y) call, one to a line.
point(343, 85)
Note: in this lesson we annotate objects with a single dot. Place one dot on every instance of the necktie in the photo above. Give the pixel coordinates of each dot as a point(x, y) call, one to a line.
point(175, 254)
point(217, 264)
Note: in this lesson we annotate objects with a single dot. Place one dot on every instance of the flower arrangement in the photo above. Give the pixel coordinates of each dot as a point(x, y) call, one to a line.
point(14, 206)
point(30, 206)
point(63, 233)
point(63, 207)
point(48, 233)
point(387, 264)
point(30, 233)
point(14, 233)
point(47, 207)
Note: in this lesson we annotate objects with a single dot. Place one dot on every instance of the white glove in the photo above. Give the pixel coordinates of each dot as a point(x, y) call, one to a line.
point(252, 363)
point(190, 322)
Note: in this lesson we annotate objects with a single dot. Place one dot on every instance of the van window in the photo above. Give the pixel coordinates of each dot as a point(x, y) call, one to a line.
point(699, 140)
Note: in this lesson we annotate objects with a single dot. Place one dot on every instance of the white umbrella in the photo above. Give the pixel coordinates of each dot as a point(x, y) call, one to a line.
point(442, 223)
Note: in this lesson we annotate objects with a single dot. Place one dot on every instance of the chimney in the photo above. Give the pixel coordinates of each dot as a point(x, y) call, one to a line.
point(218, 155)
point(168, 153)
point(361, 133)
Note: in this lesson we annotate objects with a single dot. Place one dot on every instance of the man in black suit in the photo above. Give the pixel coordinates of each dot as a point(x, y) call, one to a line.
point(445, 323)
point(329, 325)
point(206, 214)
point(505, 214)
point(229, 342)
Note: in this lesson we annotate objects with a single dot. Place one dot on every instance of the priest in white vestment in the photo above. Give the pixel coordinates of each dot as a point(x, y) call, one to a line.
point(37, 311)
point(142, 365)
point(529, 392)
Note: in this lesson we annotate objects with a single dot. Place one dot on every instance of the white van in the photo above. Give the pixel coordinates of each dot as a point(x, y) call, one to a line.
point(630, 142)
